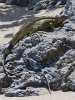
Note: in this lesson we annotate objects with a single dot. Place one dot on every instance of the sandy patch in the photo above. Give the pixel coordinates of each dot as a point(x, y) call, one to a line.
point(59, 95)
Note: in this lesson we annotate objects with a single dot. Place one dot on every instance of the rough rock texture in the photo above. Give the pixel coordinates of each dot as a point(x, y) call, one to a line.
point(44, 56)
point(67, 71)
point(48, 4)
point(20, 2)
point(2, 1)
point(16, 2)
point(36, 4)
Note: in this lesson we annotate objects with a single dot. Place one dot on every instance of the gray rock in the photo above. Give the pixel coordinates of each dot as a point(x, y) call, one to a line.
point(8, 1)
point(36, 4)
point(16, 2)
point(20, 2)
point(20, 93)
point(5, 81)
point(66, 67)
point(69, 9)
point(2, 1)
point(50, 54)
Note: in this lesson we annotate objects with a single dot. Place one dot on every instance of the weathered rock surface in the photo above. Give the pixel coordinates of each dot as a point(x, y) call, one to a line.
point(48, 4)
point(16, 2)
point(36, 4)
point(46, 57)
point(2, 1)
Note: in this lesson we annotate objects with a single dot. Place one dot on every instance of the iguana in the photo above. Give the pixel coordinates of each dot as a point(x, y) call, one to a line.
point(35, 25)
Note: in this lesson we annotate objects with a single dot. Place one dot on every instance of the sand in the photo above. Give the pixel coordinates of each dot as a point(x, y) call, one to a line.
point(59, 95)
point(11, 20)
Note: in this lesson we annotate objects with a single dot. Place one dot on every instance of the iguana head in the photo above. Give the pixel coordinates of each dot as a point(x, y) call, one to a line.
point(61, 19)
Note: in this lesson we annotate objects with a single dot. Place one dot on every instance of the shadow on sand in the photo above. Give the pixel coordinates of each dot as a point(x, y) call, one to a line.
point(14, 16)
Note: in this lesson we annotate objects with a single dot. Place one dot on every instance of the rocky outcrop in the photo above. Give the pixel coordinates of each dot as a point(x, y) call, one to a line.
point(21, 3)
point(2, 1)
point(36, 4)
point(48, 4)
point(46, 59)
point(66, 66)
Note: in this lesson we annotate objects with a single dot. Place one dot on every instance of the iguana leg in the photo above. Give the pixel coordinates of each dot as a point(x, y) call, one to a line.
point(57, 28)
point(52, 26)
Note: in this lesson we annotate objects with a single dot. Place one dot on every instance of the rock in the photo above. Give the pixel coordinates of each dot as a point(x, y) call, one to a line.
point(69, 9)
point(32, 3)
point(44, 4)
point(40, 5)
point(36, 4)
point(2, 1)
point(46, 58)
point(20, 93)
point(71, 81)
point(5, 81)
point(63, 2)
point(66, 66)
point(21, 3)
point(8, 1)
point(30, 91)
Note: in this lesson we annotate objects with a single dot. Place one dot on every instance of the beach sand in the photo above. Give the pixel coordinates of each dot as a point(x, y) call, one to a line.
point(58, 95)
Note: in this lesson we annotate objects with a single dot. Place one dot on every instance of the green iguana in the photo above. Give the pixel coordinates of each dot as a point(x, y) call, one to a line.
point(35, 25)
